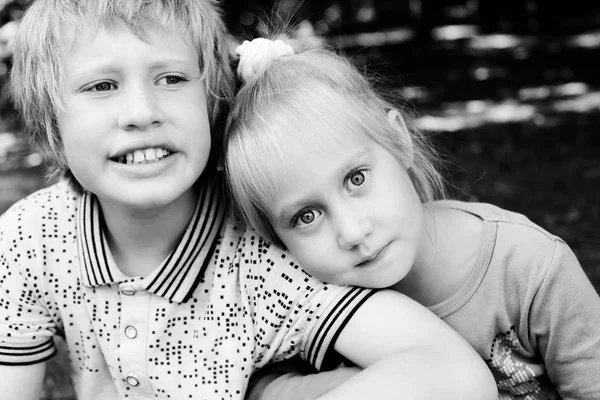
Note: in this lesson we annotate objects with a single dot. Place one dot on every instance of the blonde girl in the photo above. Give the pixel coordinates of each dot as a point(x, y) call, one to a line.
point(319, 162)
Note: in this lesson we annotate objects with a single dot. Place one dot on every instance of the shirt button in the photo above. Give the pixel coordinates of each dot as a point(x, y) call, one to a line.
point(132, 380)
point(130, 332)
point(128, 291)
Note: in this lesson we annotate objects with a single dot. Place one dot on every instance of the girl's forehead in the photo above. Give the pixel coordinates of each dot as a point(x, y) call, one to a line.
point(303, 150)
point(325, 136)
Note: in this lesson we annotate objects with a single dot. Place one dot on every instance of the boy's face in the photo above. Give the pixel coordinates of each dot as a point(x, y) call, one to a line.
point(346, 208)
point(135, 128)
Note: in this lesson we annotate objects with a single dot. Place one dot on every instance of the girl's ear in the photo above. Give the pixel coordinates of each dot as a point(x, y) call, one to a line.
point(397, 123)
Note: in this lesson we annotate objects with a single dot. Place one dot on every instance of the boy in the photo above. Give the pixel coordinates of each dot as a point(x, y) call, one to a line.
point(133, 258)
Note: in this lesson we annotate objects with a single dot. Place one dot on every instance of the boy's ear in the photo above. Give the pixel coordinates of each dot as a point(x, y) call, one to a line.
point(399, 125)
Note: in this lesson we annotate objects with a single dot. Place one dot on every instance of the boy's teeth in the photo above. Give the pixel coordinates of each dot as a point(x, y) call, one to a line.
point(150, 154)
point(144, 156)
point(138, 156)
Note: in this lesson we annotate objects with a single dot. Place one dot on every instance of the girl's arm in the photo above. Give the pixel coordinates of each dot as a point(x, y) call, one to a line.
point(295, 379)
point(408, 352)
point(564, 321)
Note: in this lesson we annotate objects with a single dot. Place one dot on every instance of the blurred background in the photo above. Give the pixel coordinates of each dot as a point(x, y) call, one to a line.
point(509, 90)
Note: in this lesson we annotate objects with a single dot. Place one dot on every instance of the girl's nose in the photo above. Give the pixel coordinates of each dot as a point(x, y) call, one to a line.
point(352, 230)
point(141, 109)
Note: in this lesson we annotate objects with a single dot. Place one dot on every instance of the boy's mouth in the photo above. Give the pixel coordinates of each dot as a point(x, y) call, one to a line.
point(144, 156)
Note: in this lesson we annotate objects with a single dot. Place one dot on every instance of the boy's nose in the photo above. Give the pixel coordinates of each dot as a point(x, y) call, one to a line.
point(352, 230)
point(140, 110)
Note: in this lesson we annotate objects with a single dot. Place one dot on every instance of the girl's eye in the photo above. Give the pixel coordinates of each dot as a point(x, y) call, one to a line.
point(357, 178)
point(102, 87)
point(306, 217)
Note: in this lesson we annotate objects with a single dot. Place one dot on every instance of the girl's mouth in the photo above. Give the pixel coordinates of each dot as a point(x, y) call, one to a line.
point(144, 156)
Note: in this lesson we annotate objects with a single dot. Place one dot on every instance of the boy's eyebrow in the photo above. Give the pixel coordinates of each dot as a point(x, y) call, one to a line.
point(90, 70)
point(111, 67)
point(289, 210)
point(160, 64)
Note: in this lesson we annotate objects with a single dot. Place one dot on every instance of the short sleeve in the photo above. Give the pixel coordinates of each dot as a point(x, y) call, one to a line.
point(295, 314)
point(26, 328)
point(565, 324)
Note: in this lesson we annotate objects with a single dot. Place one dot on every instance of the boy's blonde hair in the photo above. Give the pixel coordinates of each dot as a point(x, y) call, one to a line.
point(296, 90)
point(48, 27)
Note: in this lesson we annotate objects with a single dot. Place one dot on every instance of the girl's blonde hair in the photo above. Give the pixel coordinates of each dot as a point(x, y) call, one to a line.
point(48, 27)
point(311, 85)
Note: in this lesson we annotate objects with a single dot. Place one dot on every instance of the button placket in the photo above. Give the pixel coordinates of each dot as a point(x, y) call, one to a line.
point(130, 332)
point(134, 308)
point(132, 380)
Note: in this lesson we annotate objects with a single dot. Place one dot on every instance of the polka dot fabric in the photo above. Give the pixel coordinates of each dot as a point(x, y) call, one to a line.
point(222, 305)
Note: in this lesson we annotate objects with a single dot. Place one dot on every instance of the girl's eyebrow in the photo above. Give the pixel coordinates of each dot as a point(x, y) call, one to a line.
point(351, 160)
point(289, 210)
point(284, 216)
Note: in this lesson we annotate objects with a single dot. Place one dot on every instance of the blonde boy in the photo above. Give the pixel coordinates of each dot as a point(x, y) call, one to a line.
point(134, 259)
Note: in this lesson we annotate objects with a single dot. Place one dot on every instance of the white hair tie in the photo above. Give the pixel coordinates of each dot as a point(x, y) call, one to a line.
point(255, 55)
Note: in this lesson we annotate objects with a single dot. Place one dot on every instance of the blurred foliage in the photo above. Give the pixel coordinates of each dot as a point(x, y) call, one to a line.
point(10, 14)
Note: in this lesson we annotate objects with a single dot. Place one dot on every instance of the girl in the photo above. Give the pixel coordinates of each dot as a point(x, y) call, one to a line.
point(319, 162)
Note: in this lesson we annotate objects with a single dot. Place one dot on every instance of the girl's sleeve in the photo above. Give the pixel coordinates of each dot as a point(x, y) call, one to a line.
point(565, 324)
point(26, 328)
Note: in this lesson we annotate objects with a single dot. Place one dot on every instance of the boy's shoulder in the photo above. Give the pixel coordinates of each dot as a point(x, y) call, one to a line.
point(56, 203)
point(246, 241)
point(246, 248)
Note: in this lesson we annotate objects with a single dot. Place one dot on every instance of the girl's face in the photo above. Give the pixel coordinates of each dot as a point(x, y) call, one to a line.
point(346, 209)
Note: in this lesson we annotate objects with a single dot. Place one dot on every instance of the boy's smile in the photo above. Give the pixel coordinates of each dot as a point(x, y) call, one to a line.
point(142, 156)
point(134, 126)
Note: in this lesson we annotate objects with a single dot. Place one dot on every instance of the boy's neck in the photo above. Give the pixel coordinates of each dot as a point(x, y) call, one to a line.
point(141, 240)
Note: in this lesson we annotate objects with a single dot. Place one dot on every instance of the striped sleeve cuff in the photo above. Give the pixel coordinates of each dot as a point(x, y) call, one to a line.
point(321, 353)
point(26, 354)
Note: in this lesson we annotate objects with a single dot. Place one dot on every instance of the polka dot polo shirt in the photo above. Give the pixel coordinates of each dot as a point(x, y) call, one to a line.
point(223, 304)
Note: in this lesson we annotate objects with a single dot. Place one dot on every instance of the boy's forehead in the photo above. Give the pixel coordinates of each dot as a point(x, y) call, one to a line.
point(70, 33)
point(73, 36)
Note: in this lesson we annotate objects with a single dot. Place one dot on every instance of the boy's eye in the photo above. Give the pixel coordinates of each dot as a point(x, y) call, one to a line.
point(306, 217)
point(102, 87)
point(357, 178)
point(171, 79)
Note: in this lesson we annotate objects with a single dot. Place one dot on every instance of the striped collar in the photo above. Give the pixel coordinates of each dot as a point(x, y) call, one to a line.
point(177, 277)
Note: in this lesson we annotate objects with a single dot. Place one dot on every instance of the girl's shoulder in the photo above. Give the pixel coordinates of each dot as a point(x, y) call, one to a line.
point(508, 235)
point(491, 213)
point(485, 211)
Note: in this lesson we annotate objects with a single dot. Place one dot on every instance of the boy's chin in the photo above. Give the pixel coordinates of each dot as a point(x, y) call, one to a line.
point(142, 198)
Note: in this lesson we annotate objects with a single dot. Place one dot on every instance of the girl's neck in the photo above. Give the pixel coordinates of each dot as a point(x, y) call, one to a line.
point(446, 256)
point(140, 240)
